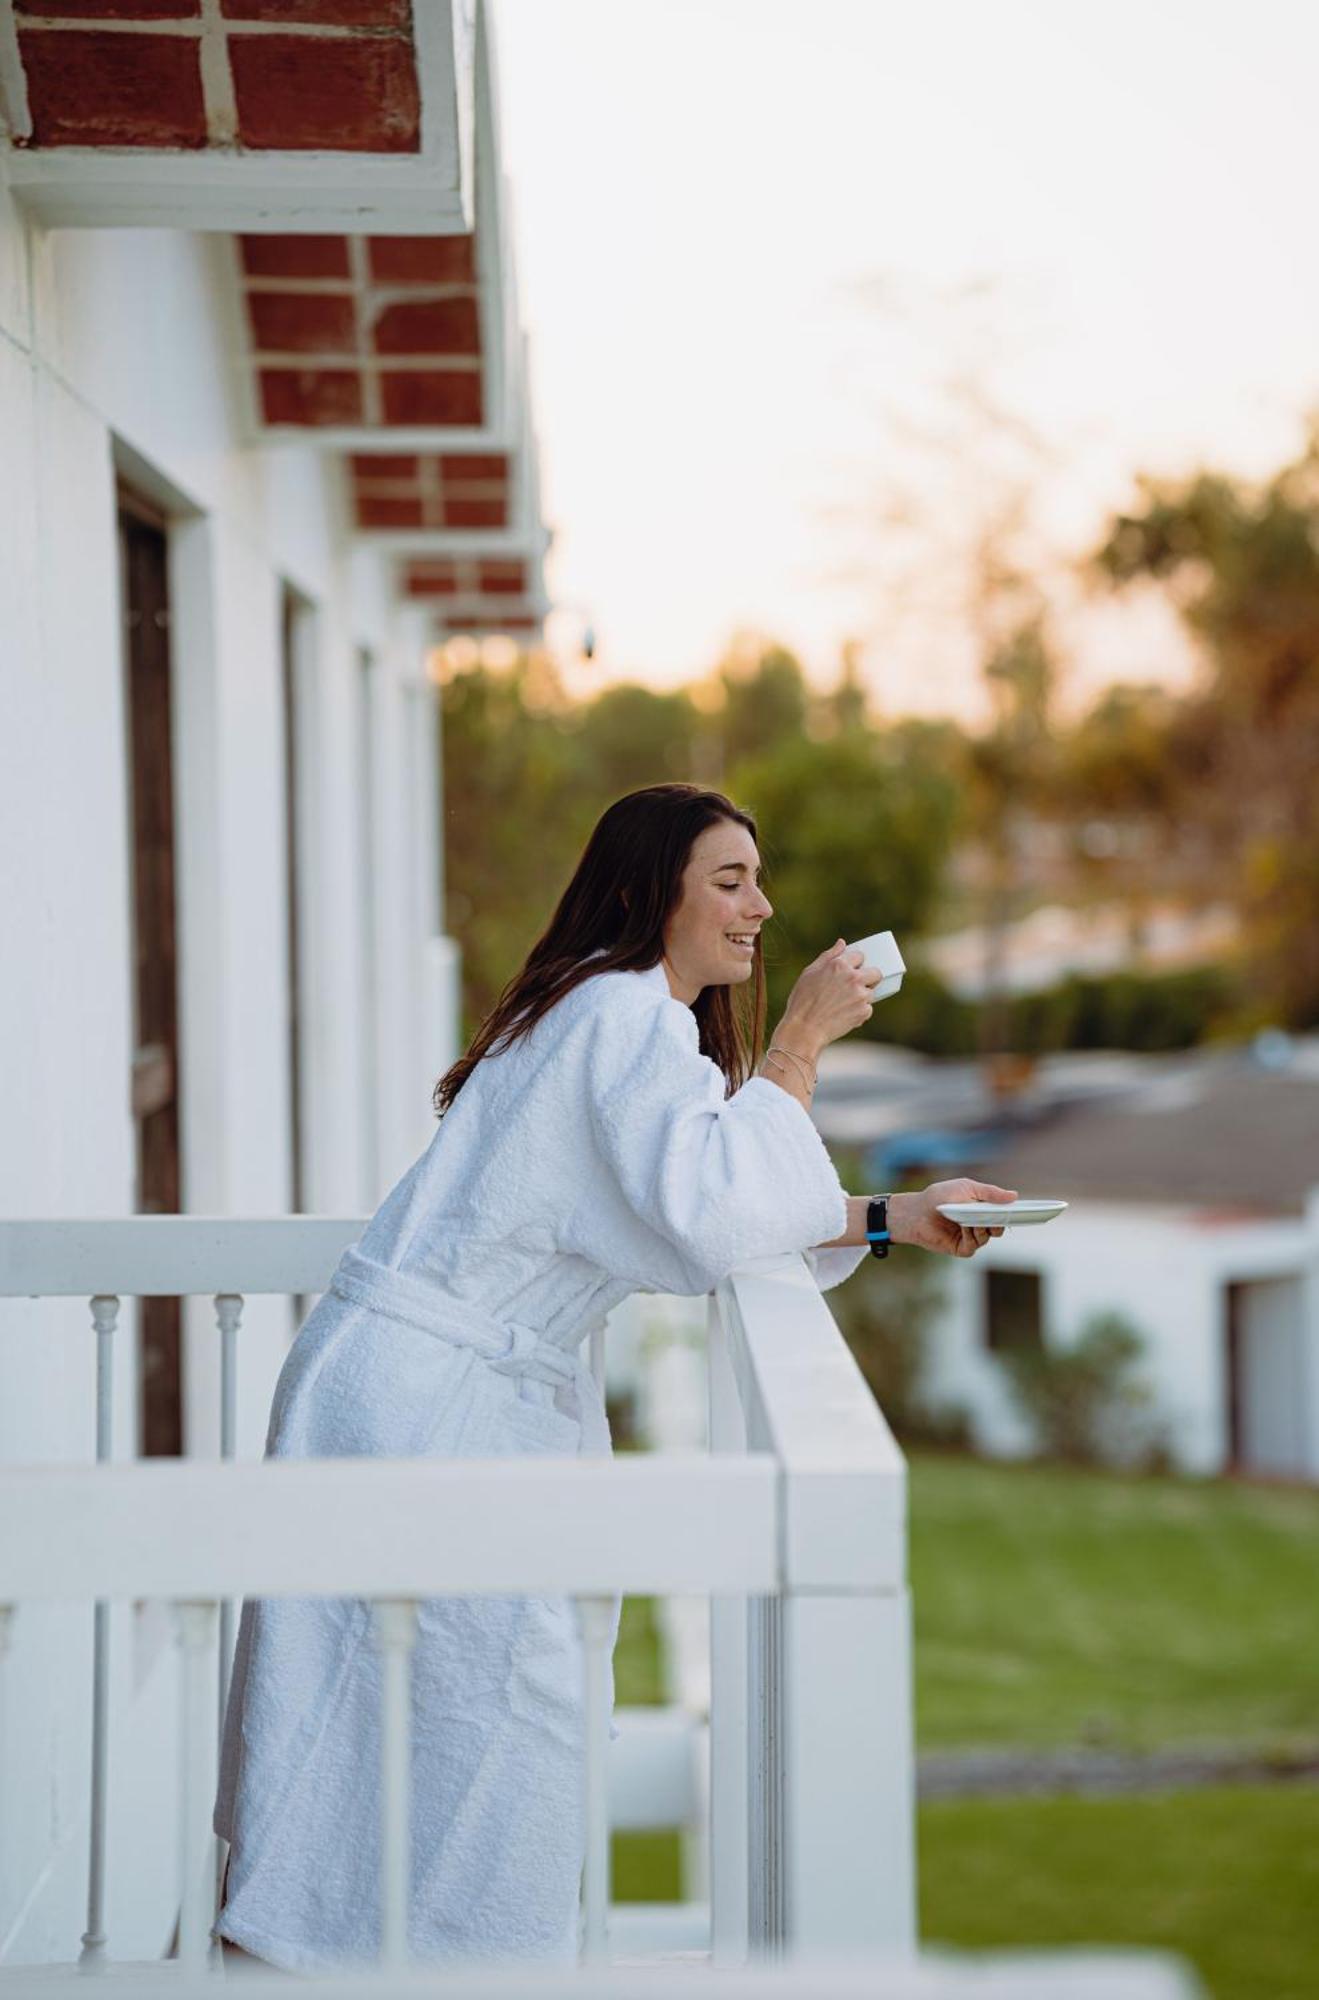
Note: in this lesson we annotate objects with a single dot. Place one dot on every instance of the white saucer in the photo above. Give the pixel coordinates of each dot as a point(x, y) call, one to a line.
point(999, 1214)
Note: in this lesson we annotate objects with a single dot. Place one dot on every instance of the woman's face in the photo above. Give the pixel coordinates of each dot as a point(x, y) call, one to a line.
point(720, 904)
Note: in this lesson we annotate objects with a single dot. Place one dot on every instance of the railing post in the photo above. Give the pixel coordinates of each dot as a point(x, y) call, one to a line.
point(728, 1687)
point(105, 1317)
point(849, 1874)
point(596, 1615)
point(195, 1624)
point(396, 1631)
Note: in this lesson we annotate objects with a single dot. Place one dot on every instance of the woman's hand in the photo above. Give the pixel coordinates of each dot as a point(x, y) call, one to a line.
point(915, 1218)
point(832, 996)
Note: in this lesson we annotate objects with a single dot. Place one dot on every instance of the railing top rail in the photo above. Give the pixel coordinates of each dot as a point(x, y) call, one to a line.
point(842, 1504)
point(815, 1401)
point(138, 1256)
point(1079, 1974)
point(375, 1527)
point(844, 1479)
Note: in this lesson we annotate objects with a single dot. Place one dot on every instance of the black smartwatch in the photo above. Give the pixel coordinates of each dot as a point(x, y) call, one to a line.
point(877, 1235)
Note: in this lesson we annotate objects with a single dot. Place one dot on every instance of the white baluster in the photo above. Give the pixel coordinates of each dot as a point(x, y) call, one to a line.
point(195, 1627)
point(396, 1631)
point(596, 1615)
point(105, 1317)
point(729, 1666)
point(228, 1317)
point(6, 1633)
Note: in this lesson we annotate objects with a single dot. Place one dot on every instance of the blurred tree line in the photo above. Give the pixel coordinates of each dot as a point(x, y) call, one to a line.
point(1208, 796)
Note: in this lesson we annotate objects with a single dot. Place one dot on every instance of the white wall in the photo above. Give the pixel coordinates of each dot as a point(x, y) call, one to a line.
point(1165, 1269)
point(118, 351)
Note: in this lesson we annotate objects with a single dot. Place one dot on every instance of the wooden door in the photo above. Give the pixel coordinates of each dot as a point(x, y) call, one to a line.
point(154, 1082)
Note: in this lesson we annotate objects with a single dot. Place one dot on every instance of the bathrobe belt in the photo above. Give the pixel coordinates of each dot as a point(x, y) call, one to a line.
point(508, 1347)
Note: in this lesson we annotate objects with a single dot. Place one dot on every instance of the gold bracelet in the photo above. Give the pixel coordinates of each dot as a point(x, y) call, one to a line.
point(784, 1067)
point(808, 1069)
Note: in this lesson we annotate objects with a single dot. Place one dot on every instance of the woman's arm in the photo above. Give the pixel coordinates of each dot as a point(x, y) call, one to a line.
point(915, 1218)
point(833, 995)
point(912, 1218)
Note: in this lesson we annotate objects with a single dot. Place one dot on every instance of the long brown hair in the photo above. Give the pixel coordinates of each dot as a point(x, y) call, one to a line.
point(624, 888)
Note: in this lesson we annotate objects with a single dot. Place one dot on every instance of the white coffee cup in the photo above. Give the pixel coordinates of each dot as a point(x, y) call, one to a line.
point(881, 951)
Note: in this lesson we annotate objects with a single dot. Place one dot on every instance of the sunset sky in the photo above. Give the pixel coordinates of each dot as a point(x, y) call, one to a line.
point(719, 204)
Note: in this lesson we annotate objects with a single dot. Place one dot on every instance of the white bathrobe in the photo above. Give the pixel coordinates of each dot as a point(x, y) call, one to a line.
point(596, 1157)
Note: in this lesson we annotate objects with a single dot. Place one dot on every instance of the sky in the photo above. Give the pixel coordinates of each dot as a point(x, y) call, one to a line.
point(754, 237)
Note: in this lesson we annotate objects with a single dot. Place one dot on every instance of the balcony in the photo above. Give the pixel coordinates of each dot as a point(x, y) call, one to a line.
point(792, 1525)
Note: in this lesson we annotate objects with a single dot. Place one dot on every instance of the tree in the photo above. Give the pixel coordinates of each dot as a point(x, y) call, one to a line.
point(633, 736)
point(855, 834)
point(1010, 765)
point(518, 805)
point(755, 698)
point(1242, 566)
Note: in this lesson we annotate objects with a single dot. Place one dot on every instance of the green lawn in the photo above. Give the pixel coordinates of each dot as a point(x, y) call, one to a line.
point(1227, 1877)
point(1056, 1606)
point(638, 1670)
point(644, 1867)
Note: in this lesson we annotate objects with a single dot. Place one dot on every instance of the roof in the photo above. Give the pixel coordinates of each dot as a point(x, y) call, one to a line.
point(1233, 1138)
point(1230, 1129)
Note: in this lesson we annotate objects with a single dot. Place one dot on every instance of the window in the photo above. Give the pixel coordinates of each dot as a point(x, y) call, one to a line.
point(1014, 1319)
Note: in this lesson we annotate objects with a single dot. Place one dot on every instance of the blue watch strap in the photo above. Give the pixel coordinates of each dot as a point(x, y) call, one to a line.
point(877, 1229)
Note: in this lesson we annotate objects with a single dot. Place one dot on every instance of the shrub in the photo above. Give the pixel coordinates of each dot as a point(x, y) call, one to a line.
point(885, 1318)
point(1085, 1403)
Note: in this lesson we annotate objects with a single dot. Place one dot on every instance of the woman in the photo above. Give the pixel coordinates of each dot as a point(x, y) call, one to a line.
point(603, 1135)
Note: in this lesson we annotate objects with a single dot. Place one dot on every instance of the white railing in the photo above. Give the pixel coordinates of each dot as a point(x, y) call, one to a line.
point(793, 1526)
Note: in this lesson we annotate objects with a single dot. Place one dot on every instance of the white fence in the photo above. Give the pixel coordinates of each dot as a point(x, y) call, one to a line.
point(793, 1525)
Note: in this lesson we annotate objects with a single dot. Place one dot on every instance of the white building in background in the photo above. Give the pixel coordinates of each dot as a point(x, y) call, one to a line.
point(1193, 1184)
point(1227, 1305)
point(231, 378)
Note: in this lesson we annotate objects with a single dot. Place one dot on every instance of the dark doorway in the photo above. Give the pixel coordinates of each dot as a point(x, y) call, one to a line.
point(1232, 1371)
point(144, 603)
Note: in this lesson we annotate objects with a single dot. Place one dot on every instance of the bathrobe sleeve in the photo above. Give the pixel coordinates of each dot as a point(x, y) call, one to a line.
point(711, 1180)
point(830, 1267)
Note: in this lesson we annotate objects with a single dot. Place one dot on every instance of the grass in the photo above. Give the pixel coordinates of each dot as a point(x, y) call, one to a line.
point(1228, 1877)
point(644, 1867)
point(1055, 1606)
point(638, 1665)
point(1060, 1606)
